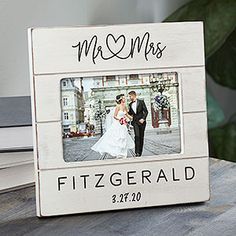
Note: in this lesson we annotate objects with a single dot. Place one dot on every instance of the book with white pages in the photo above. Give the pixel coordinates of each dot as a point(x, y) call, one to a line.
point(16, 170)
point(15, 177)
point(15, 124)
point(10, 159)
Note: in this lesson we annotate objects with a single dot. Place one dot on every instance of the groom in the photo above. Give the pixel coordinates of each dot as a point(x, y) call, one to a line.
point(139, 112)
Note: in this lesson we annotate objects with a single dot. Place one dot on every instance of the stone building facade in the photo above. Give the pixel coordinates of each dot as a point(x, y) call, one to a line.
point(80, 107)
point(106, 88)
point(72, 104)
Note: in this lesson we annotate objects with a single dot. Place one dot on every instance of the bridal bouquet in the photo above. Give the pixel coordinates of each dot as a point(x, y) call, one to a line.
point(123, 121)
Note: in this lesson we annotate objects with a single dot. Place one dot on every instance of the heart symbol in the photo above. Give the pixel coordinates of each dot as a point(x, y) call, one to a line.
point(115, 45)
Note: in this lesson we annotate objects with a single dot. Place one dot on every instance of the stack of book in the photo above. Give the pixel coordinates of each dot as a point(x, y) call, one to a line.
point(16, 143)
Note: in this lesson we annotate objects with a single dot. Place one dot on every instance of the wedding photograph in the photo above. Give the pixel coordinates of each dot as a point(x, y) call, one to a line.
point(120, 116)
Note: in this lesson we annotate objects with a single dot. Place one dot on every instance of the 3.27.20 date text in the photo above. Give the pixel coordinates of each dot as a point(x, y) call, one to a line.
point(126, 197)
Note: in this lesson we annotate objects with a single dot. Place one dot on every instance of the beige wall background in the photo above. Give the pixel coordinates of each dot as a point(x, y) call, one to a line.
point(17, 16)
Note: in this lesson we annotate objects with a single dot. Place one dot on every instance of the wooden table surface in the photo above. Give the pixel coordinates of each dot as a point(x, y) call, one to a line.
point(215, 217)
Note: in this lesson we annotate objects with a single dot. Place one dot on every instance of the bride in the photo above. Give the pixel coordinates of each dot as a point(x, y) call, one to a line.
point(116, 141)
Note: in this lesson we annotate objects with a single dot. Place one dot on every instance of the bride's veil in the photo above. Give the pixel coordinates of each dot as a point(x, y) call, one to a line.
point(109, 118)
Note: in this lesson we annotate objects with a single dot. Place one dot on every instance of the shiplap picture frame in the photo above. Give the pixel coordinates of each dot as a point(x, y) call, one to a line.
point(76, 187)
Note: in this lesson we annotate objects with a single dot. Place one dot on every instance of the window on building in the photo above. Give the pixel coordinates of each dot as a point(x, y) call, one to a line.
point(111, 81)
point(110, 77)
point(134, 79)
point(65, 101)
point(64, 83)
point(66, 116)
point(133, 76)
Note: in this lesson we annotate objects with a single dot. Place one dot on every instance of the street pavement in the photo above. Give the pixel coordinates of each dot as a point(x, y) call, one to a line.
point(155, 143)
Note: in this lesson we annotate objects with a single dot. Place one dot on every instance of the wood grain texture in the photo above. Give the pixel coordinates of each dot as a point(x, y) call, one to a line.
point(48, 92)
point(215, 217)
point(156, 192)
point(52, 57)
point(53, 52)
point(50, 144)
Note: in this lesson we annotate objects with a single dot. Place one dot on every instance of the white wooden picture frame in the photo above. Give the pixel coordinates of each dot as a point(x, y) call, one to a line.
point(69, 187)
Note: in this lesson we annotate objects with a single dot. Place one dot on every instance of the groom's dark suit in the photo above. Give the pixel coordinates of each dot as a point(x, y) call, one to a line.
point(139, 128)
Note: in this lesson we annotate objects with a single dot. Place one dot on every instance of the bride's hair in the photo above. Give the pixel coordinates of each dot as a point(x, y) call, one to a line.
point(119, 98)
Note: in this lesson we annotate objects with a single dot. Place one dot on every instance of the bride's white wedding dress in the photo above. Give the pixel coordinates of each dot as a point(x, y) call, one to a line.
point(116, 141)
